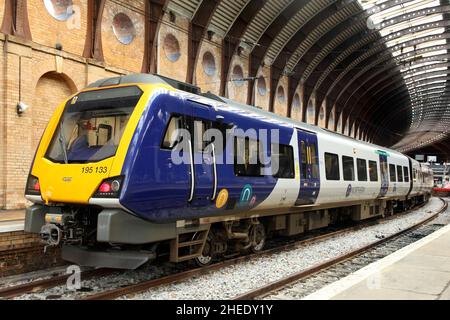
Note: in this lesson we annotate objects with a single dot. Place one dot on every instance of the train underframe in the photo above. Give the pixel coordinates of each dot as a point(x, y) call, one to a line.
point(93, 236)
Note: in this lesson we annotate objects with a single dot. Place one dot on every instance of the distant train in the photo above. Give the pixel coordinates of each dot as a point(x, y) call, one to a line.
point(105, 184)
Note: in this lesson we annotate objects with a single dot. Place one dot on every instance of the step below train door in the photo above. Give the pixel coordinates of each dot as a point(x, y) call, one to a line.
point(309, 167)
point(203, 169)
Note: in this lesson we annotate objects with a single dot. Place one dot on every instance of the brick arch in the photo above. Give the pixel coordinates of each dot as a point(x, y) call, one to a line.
point(51, 90)
point(45, 65)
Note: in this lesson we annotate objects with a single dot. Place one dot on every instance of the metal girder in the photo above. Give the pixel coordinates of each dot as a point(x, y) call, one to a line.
point(405, 31)
point(259, 51)
point(427, 59)
point(366, 72)
point(340, 17)
point(394, 67)
point(306, 32)
point(380, 47)
point(443, 79)
point(15, 19)
point(154, 11)
point(197, 30)
point(383, 79)
point(351, 33)
point(93, 47)
point(389, 70)
point(397, 35)
point(231, 40)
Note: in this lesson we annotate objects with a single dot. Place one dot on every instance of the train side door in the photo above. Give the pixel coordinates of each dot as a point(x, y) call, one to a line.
point(384, 175)
point(309, 167)
point(203, 168)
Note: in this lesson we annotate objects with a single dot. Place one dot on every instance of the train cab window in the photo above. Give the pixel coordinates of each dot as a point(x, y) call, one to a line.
point(392, 173)
point(406, 174)
point(373, 171)
point(172, 137)
point(92, 125)
point(282, 160)
point(399, 173)
point(361, 165)
point(332, 166)
point(348, 165)
point(247, 157)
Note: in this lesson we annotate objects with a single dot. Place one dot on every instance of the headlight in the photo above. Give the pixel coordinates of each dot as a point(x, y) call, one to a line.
point(33, 187)
point(109, 188)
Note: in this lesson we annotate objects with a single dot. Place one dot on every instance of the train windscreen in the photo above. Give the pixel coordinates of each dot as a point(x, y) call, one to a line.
point(92, 125)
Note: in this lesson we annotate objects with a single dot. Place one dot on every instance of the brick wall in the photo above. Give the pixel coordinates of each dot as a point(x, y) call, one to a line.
point(280, 105)
point(22, 252)
point(48, 31)
point(262, 100)
point(203, 80)
point(126, 56)
point(2, 10)
point(173, 69)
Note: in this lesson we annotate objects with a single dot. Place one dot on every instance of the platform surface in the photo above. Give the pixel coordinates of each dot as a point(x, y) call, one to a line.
point(11, 220)
point(420, 271)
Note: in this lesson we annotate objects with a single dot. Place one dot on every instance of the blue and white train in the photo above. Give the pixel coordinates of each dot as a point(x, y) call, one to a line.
point(104, 184)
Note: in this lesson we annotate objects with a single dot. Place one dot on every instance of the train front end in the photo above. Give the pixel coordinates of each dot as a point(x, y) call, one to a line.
point(77, 171)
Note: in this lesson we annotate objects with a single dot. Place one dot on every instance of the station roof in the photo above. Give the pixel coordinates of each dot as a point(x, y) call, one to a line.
point(381, 63)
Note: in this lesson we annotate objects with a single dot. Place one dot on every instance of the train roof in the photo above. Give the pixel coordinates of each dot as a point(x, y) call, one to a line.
point(192, 89)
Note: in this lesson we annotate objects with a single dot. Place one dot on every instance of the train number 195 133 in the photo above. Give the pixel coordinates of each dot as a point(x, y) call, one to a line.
point(102, 169)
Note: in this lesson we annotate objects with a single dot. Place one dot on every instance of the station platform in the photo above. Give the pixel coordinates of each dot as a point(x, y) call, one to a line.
point(419, 271)
point(11, 220)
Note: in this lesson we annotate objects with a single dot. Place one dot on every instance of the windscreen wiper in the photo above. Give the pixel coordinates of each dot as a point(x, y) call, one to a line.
point(62, 143)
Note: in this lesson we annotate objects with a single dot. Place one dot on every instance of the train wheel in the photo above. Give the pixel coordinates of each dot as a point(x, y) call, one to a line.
point(258, 236)
point(206, 257)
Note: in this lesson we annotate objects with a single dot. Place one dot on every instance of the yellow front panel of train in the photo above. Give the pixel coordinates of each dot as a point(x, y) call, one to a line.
point(71, 183)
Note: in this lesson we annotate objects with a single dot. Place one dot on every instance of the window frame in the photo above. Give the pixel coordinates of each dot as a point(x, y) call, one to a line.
point(336, 167)
point(172, 116)
point(376, 171)
point(235, 164)
point(406, 174)
point(358, 161)
point(394, 177)
point(291, 161)
point(353, 168)
point(399, 170)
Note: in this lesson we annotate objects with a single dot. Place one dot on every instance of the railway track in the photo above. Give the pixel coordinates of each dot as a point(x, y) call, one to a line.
point(279, 285)
point(185, 275)
point(41, 285)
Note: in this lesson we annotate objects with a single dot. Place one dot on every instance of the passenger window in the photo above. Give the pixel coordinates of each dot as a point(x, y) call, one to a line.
point(362, 169)
point(400, 174)
point(171, 138)
point(247, 157)
point(304, 160)
point(373, 171)
point(314, 162)
point(282, 159)
point(406, 174)
point(348, 165)
point(393, 178)
point(332, 166)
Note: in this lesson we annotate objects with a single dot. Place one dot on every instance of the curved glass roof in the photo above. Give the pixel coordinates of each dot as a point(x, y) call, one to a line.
point(418, 35)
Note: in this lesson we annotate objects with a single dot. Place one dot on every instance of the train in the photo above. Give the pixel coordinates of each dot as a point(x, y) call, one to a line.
point(140, 166)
